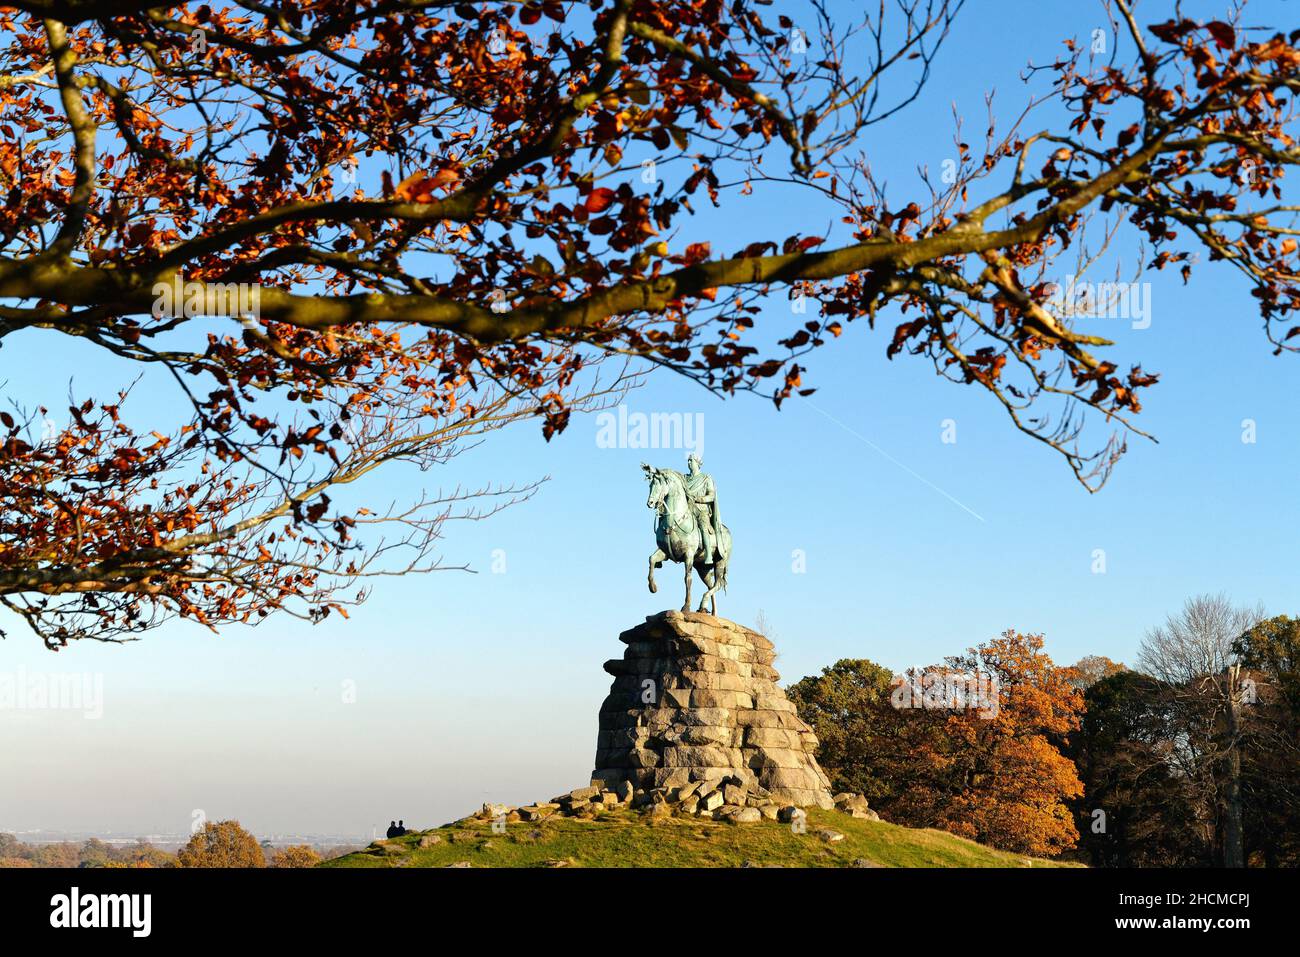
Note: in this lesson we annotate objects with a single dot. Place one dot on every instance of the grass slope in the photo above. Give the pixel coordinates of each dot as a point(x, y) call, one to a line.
point(623, 838)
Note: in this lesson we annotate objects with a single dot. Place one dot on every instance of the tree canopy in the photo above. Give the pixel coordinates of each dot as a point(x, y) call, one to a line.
point(972, 746)
point(184, 191)
point(221, 844)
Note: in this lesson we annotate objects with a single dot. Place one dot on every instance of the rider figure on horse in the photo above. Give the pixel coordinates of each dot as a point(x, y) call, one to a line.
point(688, 530)
point(704, 499)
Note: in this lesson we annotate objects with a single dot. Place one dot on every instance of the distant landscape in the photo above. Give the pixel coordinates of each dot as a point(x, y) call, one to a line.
point(52, 850)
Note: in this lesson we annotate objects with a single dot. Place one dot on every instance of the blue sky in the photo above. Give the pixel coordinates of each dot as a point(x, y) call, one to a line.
point(486, 686)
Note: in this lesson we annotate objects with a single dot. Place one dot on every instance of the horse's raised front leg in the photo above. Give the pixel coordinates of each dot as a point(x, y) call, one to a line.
point(657, 558)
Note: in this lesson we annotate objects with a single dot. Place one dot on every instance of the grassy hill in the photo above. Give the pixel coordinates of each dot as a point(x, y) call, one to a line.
point(624, 838)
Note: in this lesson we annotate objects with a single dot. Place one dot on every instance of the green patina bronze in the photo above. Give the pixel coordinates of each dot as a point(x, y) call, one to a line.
point(688, 530)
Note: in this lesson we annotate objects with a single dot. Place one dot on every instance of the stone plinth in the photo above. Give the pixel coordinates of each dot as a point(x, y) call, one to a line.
point(695, 698)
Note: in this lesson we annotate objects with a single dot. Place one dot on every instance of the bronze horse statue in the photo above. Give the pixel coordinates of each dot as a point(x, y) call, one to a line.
point(680, 537)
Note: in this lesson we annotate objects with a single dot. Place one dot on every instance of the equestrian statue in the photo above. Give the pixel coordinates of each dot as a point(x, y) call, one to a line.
point(687, 528)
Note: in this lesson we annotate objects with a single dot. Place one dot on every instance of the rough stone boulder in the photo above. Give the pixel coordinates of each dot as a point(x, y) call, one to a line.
point(855, 805)
point(695, 699)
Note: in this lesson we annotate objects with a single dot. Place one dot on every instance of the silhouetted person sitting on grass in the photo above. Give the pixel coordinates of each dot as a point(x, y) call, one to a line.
point(401, 828)
point(392, 830)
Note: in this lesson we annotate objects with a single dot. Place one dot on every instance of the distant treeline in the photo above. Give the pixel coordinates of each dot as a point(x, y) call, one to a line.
point(93, 853)
point(223, 844)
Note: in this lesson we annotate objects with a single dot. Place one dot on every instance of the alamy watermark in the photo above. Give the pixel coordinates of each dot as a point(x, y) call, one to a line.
point(944, 690)
point(186, 299)
point(74, 910)
point(1102, 300)
point(624, 429)
point(25, 690)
